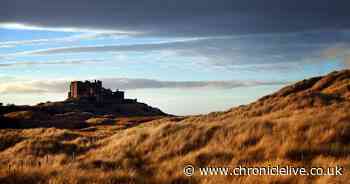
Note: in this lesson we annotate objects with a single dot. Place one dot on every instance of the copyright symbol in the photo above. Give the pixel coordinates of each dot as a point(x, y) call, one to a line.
point(189, 170)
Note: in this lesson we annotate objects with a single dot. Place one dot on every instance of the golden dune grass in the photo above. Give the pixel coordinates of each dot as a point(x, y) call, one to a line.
point(297, 126)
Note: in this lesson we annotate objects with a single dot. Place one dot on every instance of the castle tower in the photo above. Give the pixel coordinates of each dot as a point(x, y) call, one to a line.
point(74, 89)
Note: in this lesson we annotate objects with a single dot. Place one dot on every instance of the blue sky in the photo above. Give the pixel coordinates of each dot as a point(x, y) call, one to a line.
point(187, 60)
point(237, 53)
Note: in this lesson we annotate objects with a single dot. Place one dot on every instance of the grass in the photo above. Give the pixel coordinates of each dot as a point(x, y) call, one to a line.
point(287, 128)
point(156, 151)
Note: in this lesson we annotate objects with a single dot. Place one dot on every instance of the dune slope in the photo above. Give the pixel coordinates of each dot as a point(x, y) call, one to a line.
point(306, 124)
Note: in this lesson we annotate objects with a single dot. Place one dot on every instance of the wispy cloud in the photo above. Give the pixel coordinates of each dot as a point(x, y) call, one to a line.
point(61, 86)
point(61, 62)
point(28, 87)
point(248, 52)
point(17, 88)
point(67, 39)
point(80, 34)
point(164, 45)
point(31, 27)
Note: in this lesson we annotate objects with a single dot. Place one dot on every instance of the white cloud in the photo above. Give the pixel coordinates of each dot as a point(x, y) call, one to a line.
point(21, 26)
point(18, 87)
point(61, 86)
point(158, 45)
point(82, 34)
point(74, 38)
point(177, 44)
point(59, 62)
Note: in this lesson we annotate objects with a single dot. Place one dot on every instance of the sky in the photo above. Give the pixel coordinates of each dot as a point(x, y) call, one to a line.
point(184, 57)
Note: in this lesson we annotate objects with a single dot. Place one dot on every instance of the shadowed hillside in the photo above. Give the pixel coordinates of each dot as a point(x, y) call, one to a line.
point(69, 114)
point(306, 124)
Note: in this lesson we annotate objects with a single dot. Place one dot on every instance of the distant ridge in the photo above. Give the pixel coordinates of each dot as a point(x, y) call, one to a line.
point(85, 100)
point(333, 88)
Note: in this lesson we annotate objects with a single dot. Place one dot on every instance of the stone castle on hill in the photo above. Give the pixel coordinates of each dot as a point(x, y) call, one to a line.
point(94, 91)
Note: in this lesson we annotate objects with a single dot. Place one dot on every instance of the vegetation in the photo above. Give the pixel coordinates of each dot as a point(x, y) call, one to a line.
point(306, 125)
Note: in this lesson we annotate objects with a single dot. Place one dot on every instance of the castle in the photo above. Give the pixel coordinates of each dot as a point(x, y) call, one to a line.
point(95, 92)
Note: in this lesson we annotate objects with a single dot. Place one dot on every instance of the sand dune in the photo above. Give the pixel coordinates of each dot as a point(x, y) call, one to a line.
point(306, 124)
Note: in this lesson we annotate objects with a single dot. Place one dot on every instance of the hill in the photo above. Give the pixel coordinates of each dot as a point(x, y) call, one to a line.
point(70, 113)
point(306, 124)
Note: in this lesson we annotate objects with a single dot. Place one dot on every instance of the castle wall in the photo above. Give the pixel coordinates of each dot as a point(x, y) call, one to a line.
point(94, 90)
